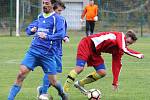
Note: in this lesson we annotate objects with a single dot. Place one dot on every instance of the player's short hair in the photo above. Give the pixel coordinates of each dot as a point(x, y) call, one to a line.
point(54, 1)
point(131, 33)
point(46, 0)
point(57, 4)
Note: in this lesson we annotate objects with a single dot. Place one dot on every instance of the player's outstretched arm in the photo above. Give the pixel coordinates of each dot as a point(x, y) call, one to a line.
point(135, 54)
point(122, 45)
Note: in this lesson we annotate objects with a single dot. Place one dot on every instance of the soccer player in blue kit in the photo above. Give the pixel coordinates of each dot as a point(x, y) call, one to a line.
point(58, 7)
point(47, 29)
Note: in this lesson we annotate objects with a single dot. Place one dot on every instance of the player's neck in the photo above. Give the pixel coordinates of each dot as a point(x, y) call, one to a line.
point(48, 14)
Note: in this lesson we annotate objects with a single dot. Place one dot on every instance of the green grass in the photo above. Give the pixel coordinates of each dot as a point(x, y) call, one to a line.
point(134, 77)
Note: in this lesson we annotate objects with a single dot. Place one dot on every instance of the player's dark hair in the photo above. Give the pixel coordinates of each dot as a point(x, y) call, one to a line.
point(58, 4)
point(131, 33)
point(53, 1)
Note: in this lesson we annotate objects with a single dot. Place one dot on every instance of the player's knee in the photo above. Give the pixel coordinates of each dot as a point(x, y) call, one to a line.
point(102, 73)
point(20, 77)
point(53, 82)
point(22, 73)
point(79, 69)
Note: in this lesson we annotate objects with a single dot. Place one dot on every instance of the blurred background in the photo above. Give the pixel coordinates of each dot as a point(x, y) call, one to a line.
point(117, 15)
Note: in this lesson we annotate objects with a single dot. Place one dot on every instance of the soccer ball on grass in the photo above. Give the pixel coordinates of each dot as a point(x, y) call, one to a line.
point(94, 94)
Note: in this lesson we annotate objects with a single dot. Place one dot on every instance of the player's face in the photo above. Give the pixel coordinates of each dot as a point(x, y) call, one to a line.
point(91, 2)
point(47, 7)
point(129, 41)
point(59, 10)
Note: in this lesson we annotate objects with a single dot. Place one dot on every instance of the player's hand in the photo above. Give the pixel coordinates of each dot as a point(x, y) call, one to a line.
point(42, 35)
point(34, 29)
point(141, 56)
point(81, 20)
point(66, 39)
point(115, 87)
point(96, 18)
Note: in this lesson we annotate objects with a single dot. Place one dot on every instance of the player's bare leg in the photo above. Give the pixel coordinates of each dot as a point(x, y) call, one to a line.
point(57, 85)
point(23, 72)
point(22, 75)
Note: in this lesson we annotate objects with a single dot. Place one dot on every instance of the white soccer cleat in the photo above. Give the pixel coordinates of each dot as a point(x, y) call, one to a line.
point(81, 88)
point(38, 91)
point(43, 97)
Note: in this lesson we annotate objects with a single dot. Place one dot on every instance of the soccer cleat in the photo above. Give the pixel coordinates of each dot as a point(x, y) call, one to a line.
point(38, 91)
point(43, 97)
point(81, 88)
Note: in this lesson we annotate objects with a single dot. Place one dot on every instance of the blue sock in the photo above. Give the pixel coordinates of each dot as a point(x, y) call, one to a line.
point(13, 92)
point(46, 84)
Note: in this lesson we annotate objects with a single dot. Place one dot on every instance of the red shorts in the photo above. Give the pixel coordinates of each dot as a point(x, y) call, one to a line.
point(86, 52)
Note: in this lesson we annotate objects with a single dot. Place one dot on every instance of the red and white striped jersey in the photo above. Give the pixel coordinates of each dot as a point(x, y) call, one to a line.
point(113, 43)
point(104, 41)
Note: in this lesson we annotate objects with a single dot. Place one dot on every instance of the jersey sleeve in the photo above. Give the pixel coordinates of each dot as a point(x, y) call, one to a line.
point(121, 43)
point(96, 10)
point(84, 12)
point(66, 29)
point(59, 32)
point(116, 65)
point(33, 24)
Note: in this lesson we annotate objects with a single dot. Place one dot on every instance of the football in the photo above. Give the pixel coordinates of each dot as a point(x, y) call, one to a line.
point(94, 94)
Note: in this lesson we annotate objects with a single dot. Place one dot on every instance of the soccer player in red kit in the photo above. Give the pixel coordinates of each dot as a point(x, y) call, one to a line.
point(89, 51)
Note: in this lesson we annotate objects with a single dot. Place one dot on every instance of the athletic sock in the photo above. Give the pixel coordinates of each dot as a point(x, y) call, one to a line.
point(46, 84)
point(13, 92)
point(92, 77)
point(70, 79)
point(59, 88)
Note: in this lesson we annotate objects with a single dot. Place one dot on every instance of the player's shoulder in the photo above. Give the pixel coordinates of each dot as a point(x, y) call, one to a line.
point(117, 33)
point(40, 15)
point(59, 17)
point(96, 6)
point(63, 18)
point(87, 6)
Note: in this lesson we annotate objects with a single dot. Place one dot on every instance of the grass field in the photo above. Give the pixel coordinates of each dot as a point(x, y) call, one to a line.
point(134, 77)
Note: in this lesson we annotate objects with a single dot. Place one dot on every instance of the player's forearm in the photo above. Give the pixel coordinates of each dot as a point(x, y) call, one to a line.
point(116, 72)
point(134, 53)
point(56, 36)
point(29, 32)
point(83, 14)
point(29, 28)
point(140, 56)
point(116, 66)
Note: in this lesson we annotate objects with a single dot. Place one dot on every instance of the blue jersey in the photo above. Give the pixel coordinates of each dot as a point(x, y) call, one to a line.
point(53, 26)
point(59, 42)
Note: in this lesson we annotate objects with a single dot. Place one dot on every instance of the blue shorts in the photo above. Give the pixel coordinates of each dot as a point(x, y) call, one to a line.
point(48, 63)
point(58, 63)
point(101, 66)
point(81, 63)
